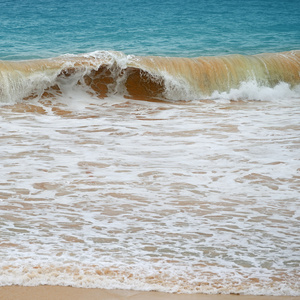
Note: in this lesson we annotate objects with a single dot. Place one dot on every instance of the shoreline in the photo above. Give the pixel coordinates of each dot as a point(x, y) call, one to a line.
point(46, 292)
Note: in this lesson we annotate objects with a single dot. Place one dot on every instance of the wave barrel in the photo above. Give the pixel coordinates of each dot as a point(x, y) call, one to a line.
point(145, 78)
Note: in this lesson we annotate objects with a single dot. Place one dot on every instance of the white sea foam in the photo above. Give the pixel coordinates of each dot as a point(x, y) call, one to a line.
point(251, 90)
point(177, 197)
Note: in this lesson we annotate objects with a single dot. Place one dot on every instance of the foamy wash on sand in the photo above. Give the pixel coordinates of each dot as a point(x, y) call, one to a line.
point(150, 146)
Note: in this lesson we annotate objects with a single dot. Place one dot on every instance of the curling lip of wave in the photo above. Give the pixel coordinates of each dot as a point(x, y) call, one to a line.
point(104, 73)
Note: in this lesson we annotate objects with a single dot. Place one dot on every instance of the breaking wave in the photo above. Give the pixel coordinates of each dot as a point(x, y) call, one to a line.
point(106, 73)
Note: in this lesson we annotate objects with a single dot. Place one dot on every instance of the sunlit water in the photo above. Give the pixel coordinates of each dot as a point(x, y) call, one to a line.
point(173, 196)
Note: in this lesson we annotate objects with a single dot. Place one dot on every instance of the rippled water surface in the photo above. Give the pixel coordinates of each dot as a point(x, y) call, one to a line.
point(173, 196)
point(42, 29)
point(179, 196)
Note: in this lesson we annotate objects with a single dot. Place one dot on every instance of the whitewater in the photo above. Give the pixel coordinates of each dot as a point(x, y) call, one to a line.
point(145, 78)
point(150, 146)
point(123, 172)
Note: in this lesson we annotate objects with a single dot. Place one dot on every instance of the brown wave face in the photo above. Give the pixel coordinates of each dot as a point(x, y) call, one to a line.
point(205, 75)
point(148, 78)
point(133, 83)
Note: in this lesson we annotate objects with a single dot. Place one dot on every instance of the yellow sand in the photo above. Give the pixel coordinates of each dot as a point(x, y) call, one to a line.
point(70, 293)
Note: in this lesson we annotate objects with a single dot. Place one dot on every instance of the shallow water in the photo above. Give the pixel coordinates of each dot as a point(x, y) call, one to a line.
point(173, 196)
point(195, 190)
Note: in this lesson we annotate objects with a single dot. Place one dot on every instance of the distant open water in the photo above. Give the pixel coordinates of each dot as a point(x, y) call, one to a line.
point(40, 29)
point(120, 170)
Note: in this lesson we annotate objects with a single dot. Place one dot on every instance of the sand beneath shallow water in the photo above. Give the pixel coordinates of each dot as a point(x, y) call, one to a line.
point(70, 293)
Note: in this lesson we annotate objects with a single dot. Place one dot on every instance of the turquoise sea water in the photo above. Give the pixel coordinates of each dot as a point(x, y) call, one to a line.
point(40, 29)
point(127, 171)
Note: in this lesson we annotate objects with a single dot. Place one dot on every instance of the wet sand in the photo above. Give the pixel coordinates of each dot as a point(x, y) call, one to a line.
point(70, 293)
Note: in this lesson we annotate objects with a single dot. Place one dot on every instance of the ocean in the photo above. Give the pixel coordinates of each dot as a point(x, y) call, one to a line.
point(151, 145)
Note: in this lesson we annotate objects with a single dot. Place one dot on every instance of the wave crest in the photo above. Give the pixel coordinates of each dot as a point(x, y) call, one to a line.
point(105, 73)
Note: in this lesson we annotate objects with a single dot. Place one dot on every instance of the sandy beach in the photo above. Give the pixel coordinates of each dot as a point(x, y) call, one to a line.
point(68, 293)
